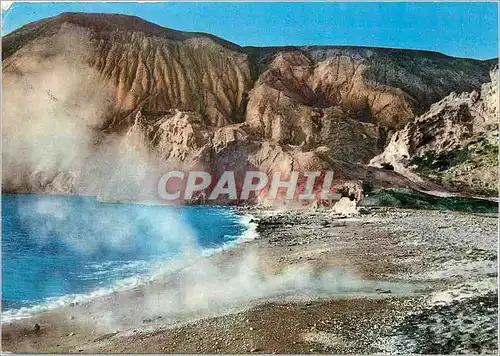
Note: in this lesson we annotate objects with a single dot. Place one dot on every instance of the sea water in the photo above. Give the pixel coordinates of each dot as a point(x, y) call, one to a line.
point(61, 249)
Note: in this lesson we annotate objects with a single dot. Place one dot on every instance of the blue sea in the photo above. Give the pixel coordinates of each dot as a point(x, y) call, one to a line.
point(62, 249)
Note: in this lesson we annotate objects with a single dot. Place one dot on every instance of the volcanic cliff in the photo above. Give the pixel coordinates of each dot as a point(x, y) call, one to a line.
point(94, 102)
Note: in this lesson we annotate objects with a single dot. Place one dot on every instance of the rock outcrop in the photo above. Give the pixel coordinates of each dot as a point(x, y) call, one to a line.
point(448, 138)
point(91, 100)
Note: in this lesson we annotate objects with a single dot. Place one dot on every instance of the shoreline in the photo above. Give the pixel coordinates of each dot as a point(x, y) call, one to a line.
point(129, 283)
point(299, 248)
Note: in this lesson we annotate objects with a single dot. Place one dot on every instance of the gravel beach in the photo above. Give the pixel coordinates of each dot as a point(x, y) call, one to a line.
point(385, 281)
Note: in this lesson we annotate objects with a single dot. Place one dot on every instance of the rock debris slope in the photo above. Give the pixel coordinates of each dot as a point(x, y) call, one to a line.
point(95, 102)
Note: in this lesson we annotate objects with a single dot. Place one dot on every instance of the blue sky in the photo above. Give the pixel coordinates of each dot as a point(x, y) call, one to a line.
point(457, 29)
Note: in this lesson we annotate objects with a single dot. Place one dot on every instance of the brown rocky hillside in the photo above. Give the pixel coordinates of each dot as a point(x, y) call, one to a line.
point(93, 103)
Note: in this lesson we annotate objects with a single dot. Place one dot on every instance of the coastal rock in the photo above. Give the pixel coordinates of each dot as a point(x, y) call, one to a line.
point(345, 206)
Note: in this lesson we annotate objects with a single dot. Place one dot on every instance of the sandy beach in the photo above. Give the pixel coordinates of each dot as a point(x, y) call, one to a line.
point(385, 281)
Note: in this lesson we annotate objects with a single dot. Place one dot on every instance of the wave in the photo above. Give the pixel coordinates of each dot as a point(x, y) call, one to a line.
point(149, 272)
point(249, 234)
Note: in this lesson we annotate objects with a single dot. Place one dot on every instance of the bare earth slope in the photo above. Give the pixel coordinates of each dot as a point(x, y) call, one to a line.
point(96, 101)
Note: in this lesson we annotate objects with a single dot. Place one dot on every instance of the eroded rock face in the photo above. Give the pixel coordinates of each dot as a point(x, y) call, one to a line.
point(288, 100)
point(447, 123)
point(307, 104)
point(153, 71)
point(194, 75)
point(115, 97)
point(175, 137)
point(450, 125)
point(485, 108)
